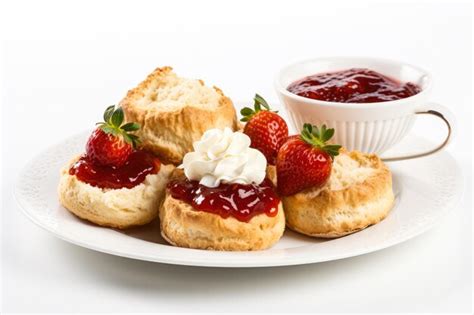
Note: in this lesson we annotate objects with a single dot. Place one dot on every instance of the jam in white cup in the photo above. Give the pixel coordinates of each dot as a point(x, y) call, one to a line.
point(371, 127)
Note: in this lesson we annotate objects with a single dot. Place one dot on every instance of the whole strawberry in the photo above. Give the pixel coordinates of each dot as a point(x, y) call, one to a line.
point(266, 129)
point(111, 143)
point(305, 161)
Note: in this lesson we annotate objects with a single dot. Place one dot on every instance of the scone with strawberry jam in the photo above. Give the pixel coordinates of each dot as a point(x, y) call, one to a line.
point(114, 184)
point(220, 198)
point(329, 192)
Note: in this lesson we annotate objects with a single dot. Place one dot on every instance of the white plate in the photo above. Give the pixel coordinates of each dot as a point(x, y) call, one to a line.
point(426, 189)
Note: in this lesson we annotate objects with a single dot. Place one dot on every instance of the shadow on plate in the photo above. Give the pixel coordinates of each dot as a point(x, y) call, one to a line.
point(151, 233)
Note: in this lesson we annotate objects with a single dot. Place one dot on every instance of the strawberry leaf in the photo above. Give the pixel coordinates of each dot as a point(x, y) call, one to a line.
point(323, 130)
point(261, 102)
point(108, 113)
point(257, 106)
point(132, 139)
point(306, 135)
point(318, 137)
point(328, 134)
point(333, 148)
point(109, 129)
point(131, 126)
point(246, 111)
point(128, 139)
point(117, 117)
point(316, 132)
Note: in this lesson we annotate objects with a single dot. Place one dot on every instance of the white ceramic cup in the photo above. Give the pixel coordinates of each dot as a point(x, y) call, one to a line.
point(367, 127)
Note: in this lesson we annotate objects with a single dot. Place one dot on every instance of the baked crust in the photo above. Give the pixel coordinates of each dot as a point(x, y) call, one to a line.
point(116, 208)
point(170, 134)
point(334, 213)
point(271, 174)
point(183, 226)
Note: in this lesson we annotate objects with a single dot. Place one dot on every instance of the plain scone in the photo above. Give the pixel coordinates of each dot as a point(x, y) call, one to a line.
point(183, 226)
point(117, 208)
point(174, 112)
point(358, 194)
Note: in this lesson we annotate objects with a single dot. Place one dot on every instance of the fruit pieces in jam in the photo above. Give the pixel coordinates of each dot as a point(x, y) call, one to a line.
point(242, 202)
point(353, 86)
point(129, 175)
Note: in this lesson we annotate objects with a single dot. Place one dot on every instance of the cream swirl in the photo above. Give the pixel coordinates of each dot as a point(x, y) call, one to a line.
point(223, 156)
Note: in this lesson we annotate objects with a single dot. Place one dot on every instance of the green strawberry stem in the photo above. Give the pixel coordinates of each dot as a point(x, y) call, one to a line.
point(112, 124)
point(316, 137)
point(248, 112)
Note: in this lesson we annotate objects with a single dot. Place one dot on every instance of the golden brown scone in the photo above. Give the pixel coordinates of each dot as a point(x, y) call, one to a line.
point(174, 112)
point(358, 194)
point(271, 174)
point(183, 226)
point(117, 208)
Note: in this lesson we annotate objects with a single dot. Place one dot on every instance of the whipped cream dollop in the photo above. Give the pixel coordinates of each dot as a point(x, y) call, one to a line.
point(224, 156)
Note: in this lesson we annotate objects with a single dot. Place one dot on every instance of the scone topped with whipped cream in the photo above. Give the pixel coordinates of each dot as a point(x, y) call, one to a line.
point(174, 112)
point(220, 198)
point(327, 191)
point(114, 183)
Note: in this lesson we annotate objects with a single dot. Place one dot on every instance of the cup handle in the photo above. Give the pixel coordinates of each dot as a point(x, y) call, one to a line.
point(438, 114)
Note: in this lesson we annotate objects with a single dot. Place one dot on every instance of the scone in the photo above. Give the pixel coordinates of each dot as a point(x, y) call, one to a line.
point(184, 226)
point(117, 208)
point(113, 183)
point(358, 194)
point(174, 112)
point(223, 200)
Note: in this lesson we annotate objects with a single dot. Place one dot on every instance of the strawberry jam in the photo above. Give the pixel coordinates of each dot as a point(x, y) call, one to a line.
point(243, 202)
point(353, 86)
point(138, 165)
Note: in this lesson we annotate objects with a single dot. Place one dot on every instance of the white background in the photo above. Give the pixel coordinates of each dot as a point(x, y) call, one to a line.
point(62, 63)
